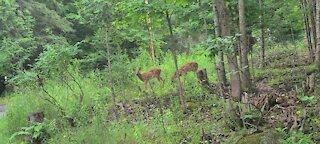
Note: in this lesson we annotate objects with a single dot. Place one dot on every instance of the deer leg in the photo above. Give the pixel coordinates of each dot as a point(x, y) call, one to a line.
point(184, 78)
point(195, 73)
point(145, 85)
point(160, 79)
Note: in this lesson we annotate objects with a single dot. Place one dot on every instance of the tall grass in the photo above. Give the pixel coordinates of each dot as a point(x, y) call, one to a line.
point(67, 88)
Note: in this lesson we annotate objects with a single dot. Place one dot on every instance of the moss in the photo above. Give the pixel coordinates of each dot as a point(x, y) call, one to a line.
point(267, 137)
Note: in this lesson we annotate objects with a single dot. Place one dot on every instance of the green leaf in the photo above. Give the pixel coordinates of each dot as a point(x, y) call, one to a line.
point(306, 98)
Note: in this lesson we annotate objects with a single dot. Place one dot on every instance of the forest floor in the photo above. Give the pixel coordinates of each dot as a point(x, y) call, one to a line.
point(281, 98)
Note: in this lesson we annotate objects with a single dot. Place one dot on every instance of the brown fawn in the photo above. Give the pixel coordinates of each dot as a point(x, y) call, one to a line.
point(146, 76)
point(184, 69)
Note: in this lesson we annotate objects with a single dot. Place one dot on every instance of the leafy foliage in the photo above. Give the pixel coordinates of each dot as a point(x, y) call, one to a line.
point(54, 55)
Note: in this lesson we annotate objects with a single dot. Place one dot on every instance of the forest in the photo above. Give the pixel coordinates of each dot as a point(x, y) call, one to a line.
point(159, 71)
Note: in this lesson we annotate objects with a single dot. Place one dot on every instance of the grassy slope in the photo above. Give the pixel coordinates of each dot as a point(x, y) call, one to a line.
point(144, 118)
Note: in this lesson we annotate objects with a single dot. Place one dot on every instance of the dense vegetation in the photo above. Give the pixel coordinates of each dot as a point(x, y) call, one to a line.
point(75, 61)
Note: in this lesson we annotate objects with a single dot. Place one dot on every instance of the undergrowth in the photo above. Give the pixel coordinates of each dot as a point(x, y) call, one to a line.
point(143, 117)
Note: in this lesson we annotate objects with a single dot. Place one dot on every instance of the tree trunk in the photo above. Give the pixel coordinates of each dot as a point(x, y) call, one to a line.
point(114, 110)
point(312, 12)
point(245, 73)
point(232, 58)
point(205, 25)
point(307, 27)
point(220, 68)
point(150, 43)
point(317, 60)
point(2, 84)
point(173, 50)
point(262, 35)
point(203, 79)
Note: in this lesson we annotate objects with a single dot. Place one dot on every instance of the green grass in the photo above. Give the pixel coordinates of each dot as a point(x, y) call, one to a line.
point(4, 99)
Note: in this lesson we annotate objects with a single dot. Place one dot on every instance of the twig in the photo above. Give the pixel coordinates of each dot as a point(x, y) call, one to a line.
point(256, 127)
point(80, 87)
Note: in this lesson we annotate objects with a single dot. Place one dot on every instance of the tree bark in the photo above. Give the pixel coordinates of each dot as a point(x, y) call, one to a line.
point(220, 68)
point(114, 110)
point(312, 12)
point(307, 28)
point(317, 59)
point(245, 73)
point(203, 79)
point(224, 26)
point(262, 36)
point(149, 26)
point(174, 55)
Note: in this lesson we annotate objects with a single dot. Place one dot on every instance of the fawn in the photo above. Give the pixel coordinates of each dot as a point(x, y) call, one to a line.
point(146, 76)
point(183, 70)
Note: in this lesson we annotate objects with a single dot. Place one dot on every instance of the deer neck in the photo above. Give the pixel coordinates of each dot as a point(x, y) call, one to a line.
point(140, 76)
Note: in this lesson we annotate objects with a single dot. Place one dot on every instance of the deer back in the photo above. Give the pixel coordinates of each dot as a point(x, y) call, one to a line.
point(146, 76)
point(184, 69)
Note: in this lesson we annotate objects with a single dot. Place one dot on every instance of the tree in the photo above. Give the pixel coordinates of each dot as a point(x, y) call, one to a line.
point(318, 33)
point(307, 27)
point(245, 73)
point(150, 34)
point(220, 68)
point(311, 8)
point(114, 109)
point(174, 55)
point(223, 15)
point(262, 35)
point(17, 38)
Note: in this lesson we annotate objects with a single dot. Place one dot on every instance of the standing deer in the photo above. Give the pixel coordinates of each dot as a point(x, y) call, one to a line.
point(146, 76)
point(183, 70)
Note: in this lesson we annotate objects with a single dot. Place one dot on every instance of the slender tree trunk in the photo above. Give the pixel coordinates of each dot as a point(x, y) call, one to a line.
point(262, 35)
point(173, 50)
point(317, 60)
point(312, 13)
point(306, 27)
point(115, 113)
point(245, 71)
point(205, 25)
point(224, 26)
point(150, 43)
point(220, 68)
